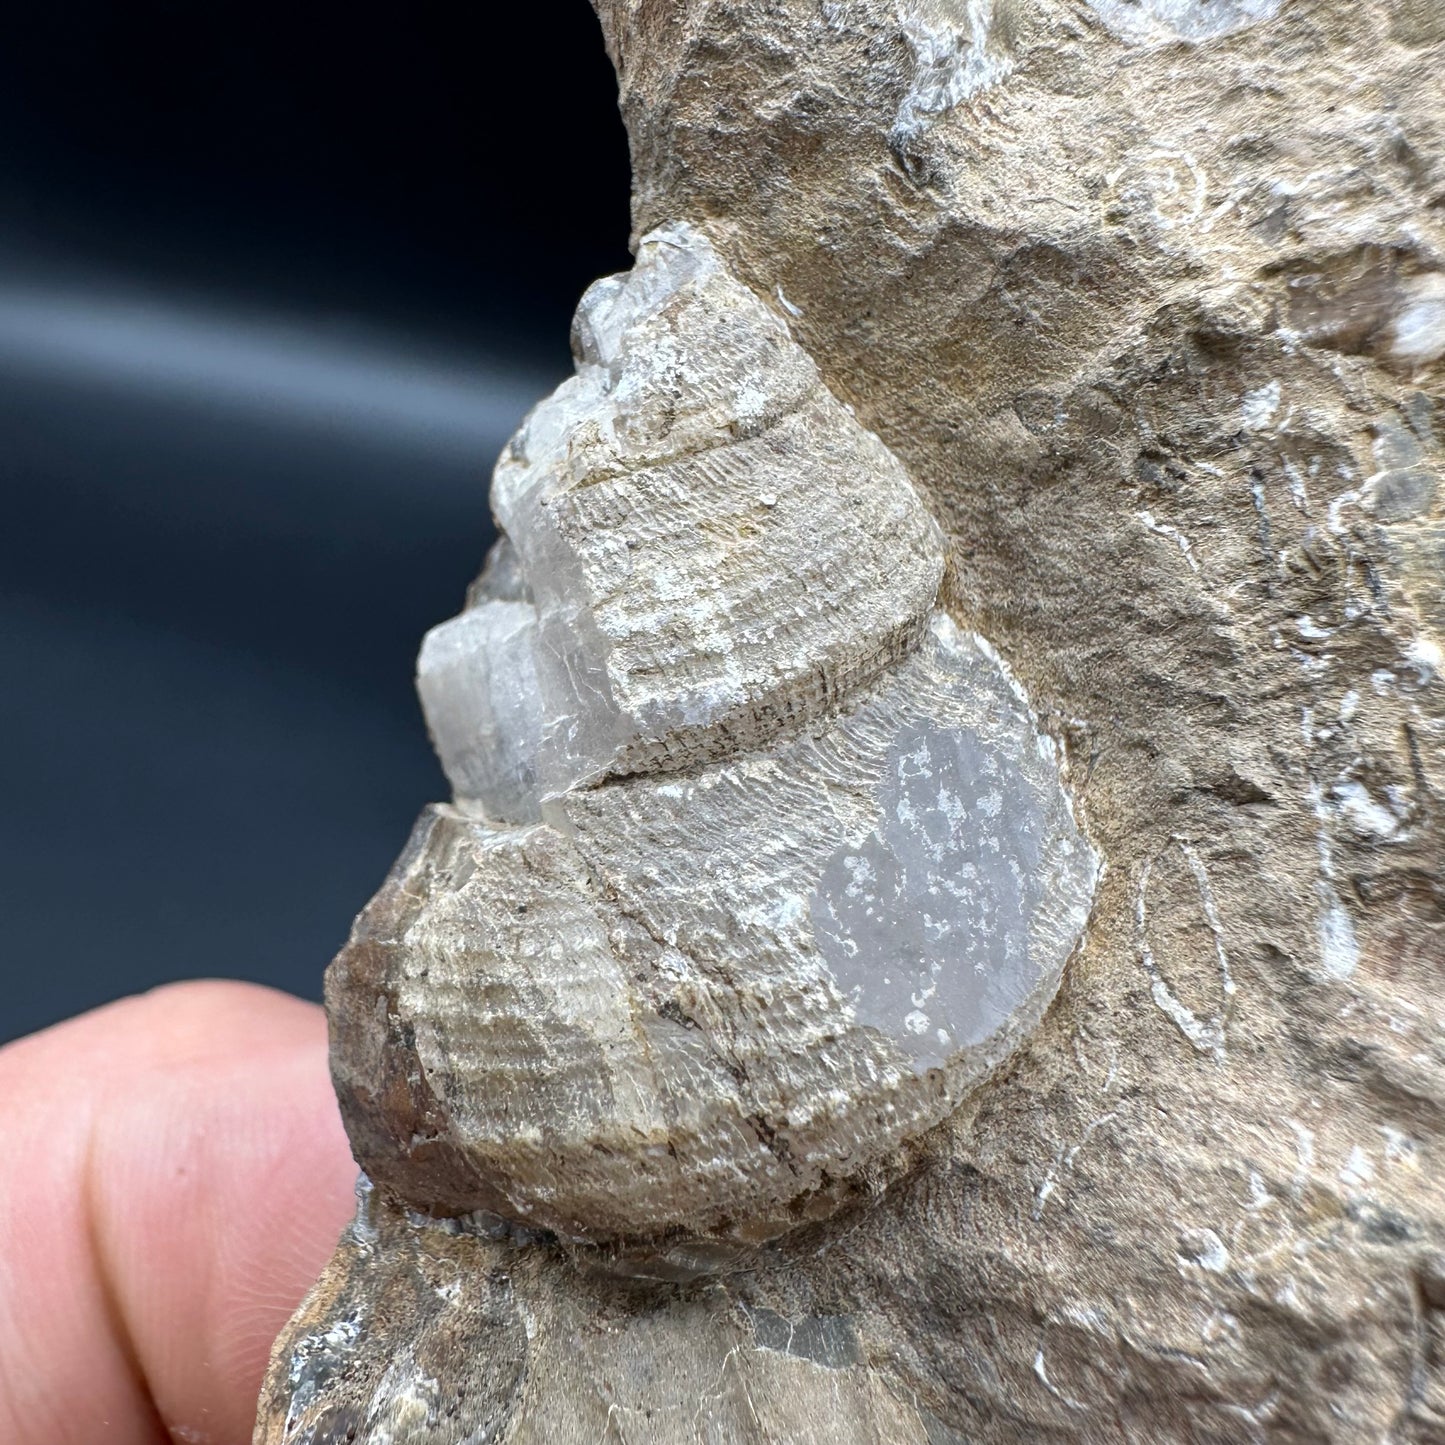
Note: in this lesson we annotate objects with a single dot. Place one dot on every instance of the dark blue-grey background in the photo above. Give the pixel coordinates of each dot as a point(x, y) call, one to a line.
point(276, 282)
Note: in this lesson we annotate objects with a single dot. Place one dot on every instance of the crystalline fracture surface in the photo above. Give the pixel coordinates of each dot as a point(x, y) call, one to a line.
point(477, 676)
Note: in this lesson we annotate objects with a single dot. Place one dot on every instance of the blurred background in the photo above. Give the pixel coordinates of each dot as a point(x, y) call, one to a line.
point(276, 283)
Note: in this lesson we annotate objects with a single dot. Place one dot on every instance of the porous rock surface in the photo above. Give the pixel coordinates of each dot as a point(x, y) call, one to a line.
point(1149, 301)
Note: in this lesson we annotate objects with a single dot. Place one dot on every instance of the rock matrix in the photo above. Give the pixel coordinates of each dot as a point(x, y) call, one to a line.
point(1147, 298)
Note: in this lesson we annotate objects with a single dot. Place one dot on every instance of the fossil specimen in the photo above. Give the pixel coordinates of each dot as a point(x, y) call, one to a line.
point(757, 863)
point(1112, 333)
point(701, 996)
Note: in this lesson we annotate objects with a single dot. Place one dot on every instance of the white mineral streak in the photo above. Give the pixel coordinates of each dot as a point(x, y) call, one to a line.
point(758, 864)
point(959, 49)
point(1156, 22)
point(1208, 1034)
point(1339, 946)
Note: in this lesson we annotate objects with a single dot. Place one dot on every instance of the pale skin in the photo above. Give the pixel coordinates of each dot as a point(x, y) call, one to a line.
point(173, 1176)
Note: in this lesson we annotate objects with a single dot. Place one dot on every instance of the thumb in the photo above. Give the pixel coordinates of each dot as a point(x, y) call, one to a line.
point(173, 1176)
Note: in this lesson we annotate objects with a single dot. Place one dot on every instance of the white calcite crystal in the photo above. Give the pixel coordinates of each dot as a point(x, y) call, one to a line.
point(717, 549)
point(477, 676)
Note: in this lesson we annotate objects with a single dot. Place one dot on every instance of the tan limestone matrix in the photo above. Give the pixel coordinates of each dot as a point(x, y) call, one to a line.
point(712, 1056)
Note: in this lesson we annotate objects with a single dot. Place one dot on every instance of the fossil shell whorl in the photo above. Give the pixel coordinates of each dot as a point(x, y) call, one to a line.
point(757, 863)
point(717, 991)
point(715, 547)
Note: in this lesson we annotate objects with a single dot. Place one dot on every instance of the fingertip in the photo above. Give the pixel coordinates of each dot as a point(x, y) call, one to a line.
point(199, 1123)
point(242, 1166)
point(172, 1024)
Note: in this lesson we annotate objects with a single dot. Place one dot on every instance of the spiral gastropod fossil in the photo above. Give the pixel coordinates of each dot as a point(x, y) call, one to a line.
point(756, 864)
